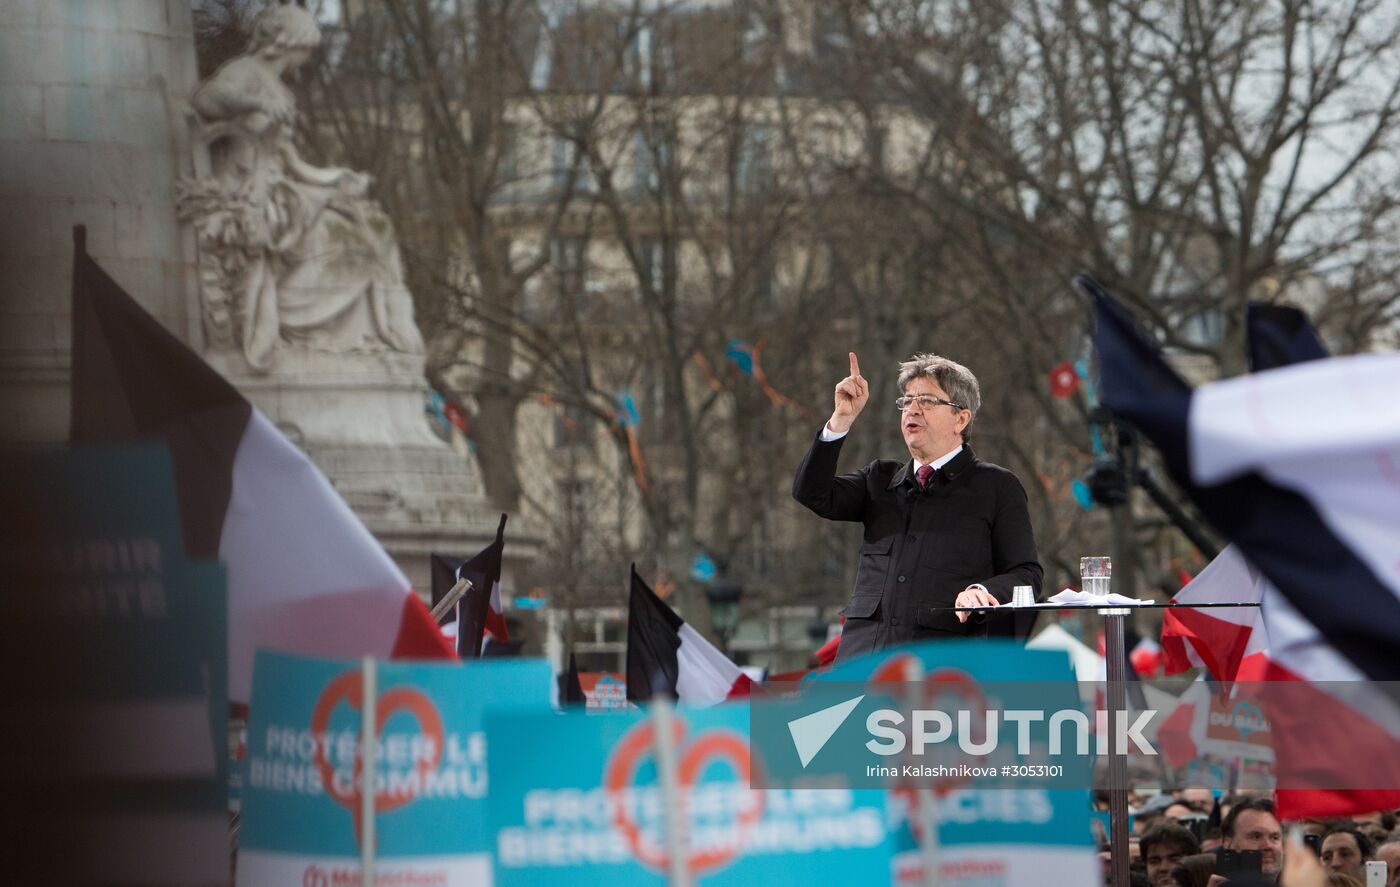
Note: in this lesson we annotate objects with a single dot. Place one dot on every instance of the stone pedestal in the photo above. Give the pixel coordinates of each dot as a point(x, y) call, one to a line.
point(361, 419)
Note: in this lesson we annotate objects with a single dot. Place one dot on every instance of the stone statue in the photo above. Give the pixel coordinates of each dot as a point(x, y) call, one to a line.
point(291, 255)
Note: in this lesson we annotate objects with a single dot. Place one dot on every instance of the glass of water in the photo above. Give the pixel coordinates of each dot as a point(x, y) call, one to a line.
point(1096, 575)
point(1096, 578)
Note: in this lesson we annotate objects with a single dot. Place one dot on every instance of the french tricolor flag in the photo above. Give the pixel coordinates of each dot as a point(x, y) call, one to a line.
point(478, 614)
point(1299, 466)
point(304, 575)
point(668, 658)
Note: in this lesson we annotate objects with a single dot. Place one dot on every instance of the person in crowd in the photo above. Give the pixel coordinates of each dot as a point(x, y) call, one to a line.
point(1180, 810)
point(1389, 853)
point(1162, 847)
point(1211, 840)
point(1385, 820)
point(1252, 825)
point(1378, 833)
point(1346, 850)
point(1150, 812)
point(1193, 871)
point(1198, 799)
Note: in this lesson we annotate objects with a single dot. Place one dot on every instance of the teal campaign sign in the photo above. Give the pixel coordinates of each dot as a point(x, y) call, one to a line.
point(1018, 832)
point(575, 800)
point(302, 778)
point(985, 660)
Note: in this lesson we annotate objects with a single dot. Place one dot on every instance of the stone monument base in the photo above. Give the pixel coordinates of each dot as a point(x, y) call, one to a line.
point(360, 417)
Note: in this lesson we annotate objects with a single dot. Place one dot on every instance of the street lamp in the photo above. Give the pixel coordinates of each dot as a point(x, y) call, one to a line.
point(723, 595)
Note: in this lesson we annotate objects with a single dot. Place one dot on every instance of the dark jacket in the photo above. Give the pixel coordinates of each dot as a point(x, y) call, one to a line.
point(922, 547)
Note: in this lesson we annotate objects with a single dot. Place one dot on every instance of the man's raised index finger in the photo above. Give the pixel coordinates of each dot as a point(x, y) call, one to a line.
point(855, 364)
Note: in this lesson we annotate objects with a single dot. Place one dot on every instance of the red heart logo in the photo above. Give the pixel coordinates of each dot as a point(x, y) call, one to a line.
point(349, 688)
point(621, 771)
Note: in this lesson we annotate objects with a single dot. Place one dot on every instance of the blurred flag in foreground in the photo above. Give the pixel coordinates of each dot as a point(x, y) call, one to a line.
point(304, 575)
point(1300, 467)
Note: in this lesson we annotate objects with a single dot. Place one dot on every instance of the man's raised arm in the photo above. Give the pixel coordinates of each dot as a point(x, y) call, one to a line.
point(816, 486)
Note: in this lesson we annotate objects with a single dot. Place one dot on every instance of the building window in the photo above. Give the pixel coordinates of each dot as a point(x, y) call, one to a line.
point(663, 65)
point(570, 426)
point(656, 153)
point(763, 289)
point(637, 60)
point(653, 412)
point(577, 492)
point(507, 152)
point(565, 151)
point(761, 545)
point(754, 169)
point(753, 34)
point(572, 422)
point(542, 66)
point(656, 257)
point(566, 154)
point(567, 255)
point(1205, 327)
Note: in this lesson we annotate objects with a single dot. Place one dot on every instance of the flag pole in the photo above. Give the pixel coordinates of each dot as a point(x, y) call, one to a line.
point(450, 599)
point(924, 810)
point(928, 847)
point(1116, 660)
point(664, 744)
point(369, 753)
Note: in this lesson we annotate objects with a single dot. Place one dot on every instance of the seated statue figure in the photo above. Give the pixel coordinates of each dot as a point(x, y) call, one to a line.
point(291, 254)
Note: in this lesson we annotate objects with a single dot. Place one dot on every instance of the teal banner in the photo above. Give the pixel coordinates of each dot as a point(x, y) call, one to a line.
point(1018, 832)
point(576, 800)
point(303, 775)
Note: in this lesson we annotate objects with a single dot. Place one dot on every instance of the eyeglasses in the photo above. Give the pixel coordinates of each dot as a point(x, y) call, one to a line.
point(925, 402)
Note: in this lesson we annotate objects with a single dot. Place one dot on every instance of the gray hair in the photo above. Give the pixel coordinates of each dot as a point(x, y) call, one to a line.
point(949, 375)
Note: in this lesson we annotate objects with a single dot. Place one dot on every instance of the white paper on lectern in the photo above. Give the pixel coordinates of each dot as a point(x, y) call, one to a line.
point(1083, 598)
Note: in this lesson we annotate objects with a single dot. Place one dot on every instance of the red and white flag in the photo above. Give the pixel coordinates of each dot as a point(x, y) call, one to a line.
point(668, 658)
point(1216, 639)
point(304, 575)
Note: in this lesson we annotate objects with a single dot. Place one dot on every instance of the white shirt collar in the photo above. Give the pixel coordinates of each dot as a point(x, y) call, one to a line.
point(940, 461)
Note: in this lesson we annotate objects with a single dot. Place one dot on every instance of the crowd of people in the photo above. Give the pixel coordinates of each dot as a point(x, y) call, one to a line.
point(1191, 838)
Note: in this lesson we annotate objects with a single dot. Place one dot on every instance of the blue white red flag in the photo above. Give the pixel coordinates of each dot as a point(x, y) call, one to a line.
point(1299, 465)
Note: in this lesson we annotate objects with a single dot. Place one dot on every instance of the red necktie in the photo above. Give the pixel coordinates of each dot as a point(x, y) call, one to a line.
point(925, 472)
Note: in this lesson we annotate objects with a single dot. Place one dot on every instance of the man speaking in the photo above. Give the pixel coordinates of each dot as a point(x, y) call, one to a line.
point(944, 529)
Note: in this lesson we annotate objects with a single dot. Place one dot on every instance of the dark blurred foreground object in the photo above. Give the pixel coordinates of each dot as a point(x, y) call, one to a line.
point(114, 764)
